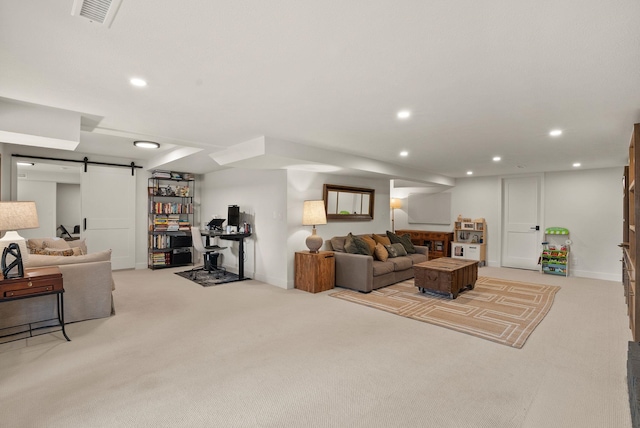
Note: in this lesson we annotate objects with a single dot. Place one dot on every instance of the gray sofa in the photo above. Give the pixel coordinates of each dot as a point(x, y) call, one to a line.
point(88, 285)
point(366, 273)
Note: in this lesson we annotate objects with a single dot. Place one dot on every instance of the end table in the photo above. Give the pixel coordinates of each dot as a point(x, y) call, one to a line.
point(315, 272)
point(37, 282)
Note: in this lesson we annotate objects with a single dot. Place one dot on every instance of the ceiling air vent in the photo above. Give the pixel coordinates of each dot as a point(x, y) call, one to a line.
point(100, 11)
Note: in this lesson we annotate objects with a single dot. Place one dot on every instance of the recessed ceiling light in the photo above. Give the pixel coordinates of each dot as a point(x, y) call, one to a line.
point(404, 153)
point(404, 114)
point(497, 158)
point(136, 81)
point(146, 144)
point(577, 164)
point(469, 172)
point(555, 132)
point(25, 163)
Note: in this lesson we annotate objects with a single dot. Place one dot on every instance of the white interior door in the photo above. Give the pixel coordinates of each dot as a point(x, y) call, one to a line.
point(108, 213)
point(521, 206)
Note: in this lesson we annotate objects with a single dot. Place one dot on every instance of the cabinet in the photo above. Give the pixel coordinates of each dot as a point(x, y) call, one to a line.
point(630, 248)
point(470, 240)
point(315, 272)
point(439, 243)
point(555, 252)
point(170, 218)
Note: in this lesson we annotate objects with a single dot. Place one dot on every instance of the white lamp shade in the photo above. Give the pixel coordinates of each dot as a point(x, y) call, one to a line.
point(18, 215)
point(313, 213)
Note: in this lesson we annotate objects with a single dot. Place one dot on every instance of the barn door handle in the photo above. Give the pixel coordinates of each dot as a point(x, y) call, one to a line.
point(84, 223)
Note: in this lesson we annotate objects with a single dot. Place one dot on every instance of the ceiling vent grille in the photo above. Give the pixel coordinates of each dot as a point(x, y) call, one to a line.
point(100, 11)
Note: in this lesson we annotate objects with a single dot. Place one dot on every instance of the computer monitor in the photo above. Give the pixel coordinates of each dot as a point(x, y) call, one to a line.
point(216, 224)
point(233, 215)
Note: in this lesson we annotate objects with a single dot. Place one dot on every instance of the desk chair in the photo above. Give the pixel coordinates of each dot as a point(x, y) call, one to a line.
point(210, 254)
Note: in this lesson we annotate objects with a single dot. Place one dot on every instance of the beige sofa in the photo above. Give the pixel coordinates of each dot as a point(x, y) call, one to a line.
point(366, 273)
point(88, 286)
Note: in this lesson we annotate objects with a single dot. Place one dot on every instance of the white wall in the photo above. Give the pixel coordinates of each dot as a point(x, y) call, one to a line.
point(262, 198)
point(587, 202)
point(44, 195)
point(309, 186)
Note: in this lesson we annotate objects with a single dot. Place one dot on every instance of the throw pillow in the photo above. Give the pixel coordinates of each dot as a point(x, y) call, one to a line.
point(405, 240)
point(391, 251)
point(369, 240)
point(381, 239)
point(356, 245)
point(59, 252)
point(381, 253)
point(55, 243)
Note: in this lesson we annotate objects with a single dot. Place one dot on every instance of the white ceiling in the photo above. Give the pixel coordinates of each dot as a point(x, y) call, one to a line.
point(481, 78)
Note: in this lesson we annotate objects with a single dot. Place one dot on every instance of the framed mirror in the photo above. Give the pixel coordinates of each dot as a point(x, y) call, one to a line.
point(348, 203)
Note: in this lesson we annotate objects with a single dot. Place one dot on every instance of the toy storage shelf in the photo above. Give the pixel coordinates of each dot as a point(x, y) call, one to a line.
point(555, 257)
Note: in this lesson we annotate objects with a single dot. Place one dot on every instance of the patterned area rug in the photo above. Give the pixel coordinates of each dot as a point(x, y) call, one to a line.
point(207, 279)
point(499, 310)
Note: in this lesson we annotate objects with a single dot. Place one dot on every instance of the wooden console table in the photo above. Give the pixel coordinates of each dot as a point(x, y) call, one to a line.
point(439, 243)
point(37, 282)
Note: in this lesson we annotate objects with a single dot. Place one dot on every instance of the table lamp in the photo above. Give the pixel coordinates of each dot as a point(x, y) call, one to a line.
point(15, 216)
point(394, 203)
point(313, 213)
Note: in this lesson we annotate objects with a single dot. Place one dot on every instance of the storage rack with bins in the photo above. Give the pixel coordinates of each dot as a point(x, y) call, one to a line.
point(171, 215)
point(470, 240)
point(555, 256)
point(439, 243)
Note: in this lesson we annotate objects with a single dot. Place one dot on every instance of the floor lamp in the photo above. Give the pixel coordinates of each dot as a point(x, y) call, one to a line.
point(15, 216)
point(395, 203)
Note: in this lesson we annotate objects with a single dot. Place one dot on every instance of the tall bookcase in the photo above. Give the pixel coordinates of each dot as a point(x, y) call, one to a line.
point(171, 215)
point(631, 210)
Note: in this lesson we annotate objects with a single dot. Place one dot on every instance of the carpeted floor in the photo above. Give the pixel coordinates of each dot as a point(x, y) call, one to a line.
point(503, 311)
point(247, 354)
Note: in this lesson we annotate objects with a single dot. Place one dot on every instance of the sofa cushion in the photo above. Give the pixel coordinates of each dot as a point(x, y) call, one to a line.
point(401, 263)
point(381, 253)
point(381, 239)
point(356, 245)
point(405, 240)
point(381, 268)
point(417, 258)
point(37, 260)
point(337, 243)
point(66, 252)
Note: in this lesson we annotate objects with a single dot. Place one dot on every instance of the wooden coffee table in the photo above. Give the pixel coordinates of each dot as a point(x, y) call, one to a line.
point(446, 275)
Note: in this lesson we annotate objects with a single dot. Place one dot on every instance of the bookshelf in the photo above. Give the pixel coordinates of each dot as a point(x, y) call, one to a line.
point(171, 214)
point(630, 248)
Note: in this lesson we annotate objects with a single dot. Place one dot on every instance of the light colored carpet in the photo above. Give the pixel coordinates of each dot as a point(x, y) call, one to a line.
point(503, 311)
point(247, 354)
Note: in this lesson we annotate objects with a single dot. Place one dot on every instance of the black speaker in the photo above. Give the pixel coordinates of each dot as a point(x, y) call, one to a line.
point(233, 216)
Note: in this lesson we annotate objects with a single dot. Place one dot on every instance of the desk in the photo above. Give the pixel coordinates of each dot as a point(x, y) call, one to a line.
point(239, 237)
point(36, 282)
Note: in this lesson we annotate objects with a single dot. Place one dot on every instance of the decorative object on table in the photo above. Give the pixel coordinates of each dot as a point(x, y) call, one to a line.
point(486, 312)
point(15, 215)
point(313, 213)
point(394, 203)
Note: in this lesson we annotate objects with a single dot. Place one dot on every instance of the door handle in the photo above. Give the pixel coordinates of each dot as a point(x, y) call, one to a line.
point(535, 228)
point(84, 223)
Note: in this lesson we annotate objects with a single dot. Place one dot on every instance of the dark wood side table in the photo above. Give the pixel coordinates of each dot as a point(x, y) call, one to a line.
point(37, 282)
point(315, 272)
